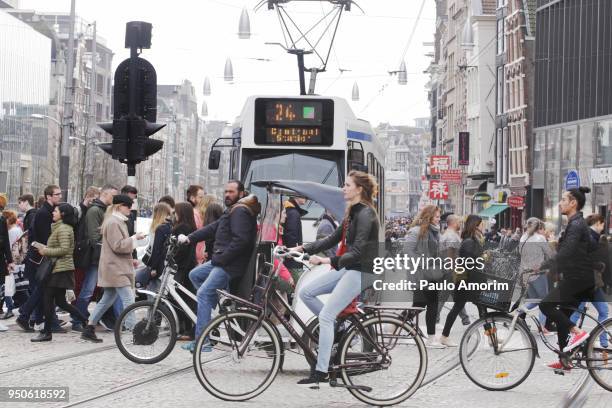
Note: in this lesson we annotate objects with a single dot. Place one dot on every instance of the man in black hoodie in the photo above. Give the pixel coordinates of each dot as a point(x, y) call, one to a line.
point(40, 231)
point(93, 221)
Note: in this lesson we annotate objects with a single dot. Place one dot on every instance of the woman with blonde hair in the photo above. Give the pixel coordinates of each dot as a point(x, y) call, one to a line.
point(203, 250)
point(160, 230)
point(358, 238)
point(116, 270)
point(423, 241)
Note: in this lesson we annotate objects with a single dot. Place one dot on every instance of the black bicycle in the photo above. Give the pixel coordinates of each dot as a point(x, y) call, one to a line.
point(380, 357)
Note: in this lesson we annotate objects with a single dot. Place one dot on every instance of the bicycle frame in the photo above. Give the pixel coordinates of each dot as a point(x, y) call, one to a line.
point(517, 310)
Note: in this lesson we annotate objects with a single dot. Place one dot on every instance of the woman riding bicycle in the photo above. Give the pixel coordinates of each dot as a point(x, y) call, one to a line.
point(574, 264)
point(358, 238)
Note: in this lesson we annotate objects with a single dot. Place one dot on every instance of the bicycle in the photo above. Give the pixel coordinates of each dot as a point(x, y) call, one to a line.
point(489, 346)
point(244, 345)
point(146, 331)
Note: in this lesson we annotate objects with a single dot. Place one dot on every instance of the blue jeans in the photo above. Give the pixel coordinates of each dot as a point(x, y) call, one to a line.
point(600, 304)
point(538, 289)
point(206, 279)
point(126, 294)
point(90, 280)
point(344, 285)
point(32, 308)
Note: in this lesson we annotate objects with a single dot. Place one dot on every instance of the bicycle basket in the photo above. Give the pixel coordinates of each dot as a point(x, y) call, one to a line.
point(500, 276)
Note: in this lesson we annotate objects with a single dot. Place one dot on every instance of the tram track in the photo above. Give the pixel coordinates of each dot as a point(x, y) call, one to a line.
point(59, 358)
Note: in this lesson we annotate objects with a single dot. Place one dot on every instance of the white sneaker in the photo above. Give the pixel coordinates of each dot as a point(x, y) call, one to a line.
point(3, 328)
point(39, 326)
point(433, 343)
point(445, 341)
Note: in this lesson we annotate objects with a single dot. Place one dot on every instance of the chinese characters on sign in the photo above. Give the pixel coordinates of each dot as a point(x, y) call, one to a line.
point(438, 190)
point(438, 163)
point(464, 149)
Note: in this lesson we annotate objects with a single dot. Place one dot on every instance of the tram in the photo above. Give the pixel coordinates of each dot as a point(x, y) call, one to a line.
point(307, 138)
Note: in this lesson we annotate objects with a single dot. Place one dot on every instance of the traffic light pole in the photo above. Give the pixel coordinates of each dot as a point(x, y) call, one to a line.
point(64, 164)
point(131, 167)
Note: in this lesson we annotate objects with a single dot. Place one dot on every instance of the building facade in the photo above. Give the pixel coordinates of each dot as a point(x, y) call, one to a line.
point(573, 105)
point(25, 66)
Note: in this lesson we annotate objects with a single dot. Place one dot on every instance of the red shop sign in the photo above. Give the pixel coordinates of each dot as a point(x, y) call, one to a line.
point(516, 201)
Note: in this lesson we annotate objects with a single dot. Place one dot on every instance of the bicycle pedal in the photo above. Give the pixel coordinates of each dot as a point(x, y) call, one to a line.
point(335, 383)
point(559, 372)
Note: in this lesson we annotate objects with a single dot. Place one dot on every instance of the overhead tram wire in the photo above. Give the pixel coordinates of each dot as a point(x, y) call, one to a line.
point(382, 89)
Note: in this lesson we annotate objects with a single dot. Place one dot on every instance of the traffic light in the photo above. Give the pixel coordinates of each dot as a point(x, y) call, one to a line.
point(135, 103)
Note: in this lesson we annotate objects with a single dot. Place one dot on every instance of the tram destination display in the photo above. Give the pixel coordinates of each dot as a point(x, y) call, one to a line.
point(294, 121)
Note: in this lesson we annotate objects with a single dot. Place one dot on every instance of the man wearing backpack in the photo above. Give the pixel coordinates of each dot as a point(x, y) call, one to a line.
point(93, 237)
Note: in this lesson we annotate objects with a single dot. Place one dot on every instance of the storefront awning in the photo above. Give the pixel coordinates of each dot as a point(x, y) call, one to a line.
point(493, 210)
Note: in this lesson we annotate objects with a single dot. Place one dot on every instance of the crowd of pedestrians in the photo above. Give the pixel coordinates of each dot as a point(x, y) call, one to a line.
point(72, 255)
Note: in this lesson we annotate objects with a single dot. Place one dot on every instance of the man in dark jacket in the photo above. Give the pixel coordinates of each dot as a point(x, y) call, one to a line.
point(234, 234)
point(132, 192)
point(93, 222)
point(26, 206)
point(292, 229)
point(39, 232)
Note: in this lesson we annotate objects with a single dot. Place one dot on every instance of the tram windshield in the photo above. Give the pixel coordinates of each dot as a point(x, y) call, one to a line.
point(323, 168)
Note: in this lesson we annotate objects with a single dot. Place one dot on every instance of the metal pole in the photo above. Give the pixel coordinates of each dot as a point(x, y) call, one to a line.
point(94, 93)
point(300, 58)
point(68, 109)
point(131, 168)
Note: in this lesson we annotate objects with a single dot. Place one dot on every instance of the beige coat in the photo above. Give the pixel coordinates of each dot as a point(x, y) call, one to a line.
point(116, 269)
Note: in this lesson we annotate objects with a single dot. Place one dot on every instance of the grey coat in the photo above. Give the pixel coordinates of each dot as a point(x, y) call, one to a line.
point(427, 248)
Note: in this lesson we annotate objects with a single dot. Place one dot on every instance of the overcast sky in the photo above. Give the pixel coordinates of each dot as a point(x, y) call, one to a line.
point(193, 38)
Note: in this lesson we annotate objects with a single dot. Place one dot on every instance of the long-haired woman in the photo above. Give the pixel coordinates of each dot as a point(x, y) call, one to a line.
point(185, 261)
point(359, 230)
point(161, 227)
point(472, 247)
point(422, 241)
point(213, 212)
point(60, 246)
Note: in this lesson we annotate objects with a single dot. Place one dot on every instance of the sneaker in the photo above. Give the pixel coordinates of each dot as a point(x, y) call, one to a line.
point(190, 346)
point(89, 334)
point(24, 325)
point(557, 365)
point(433, 343)
point(42, 336)
point(445, 341)
point(315, 378)
point(575, 340)
point(39, 326)
point(7, 315)
point(106, 325)
point(3, 328)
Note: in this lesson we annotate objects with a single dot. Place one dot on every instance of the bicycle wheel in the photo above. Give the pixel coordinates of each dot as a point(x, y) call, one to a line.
point(225, 374)
point(497, 371)
point(142, 344)
point(393, 375)
point(599, 351)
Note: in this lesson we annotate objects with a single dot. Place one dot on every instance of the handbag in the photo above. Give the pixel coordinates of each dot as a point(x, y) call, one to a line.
point(44, 269)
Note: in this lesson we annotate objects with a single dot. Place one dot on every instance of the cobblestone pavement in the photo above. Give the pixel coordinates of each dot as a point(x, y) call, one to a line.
point(90, 370)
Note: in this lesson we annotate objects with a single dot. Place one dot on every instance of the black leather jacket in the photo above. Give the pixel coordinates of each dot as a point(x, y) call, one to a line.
point(573, 259)
point(361, 240)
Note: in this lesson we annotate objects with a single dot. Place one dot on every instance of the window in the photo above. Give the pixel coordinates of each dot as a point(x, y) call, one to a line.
point(569, 148)
point(505, 137)
point(500, 36)
point(500, 90)
point(499, 158)
point(603, 143)
point(539, 150)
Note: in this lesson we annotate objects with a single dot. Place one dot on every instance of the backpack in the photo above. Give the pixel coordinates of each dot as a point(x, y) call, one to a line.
point(82, 247)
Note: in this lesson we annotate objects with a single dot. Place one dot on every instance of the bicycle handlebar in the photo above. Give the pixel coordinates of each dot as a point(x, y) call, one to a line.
point(283, 252)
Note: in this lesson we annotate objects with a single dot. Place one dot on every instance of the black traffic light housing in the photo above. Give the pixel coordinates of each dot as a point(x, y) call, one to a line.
point(135, 103)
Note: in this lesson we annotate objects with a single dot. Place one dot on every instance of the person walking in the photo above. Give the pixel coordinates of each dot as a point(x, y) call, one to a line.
point(472, 247)
point(292, 232)
point(326, 225)
point(14, 234)
point(195, 194)
point(6, 258)
point(358, 235)
point(26, 205)
point(534, 252)
point(60, 246)
point(160, 230)
point(185, 262)
point(39, 232)
point(422, 242)
point(234, 235)
point(94, 217)
point(116, 269)
point(450, 242)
